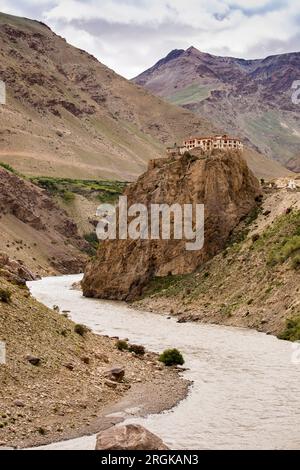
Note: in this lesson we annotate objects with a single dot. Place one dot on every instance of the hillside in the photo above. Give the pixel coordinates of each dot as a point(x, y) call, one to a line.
point(69, 115)
point(253, 283)
point(54, 381)
point(35, 230)
point(250, 98)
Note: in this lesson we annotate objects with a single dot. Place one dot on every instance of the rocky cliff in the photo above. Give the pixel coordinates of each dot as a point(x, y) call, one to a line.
point(222, 182)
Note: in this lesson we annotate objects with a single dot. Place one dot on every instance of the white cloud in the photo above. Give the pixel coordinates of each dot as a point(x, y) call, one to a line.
point(130, 35)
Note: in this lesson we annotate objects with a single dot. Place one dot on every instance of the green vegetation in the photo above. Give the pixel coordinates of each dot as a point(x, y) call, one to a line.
point(67, 188)
point(171, 357)
point(5, 295)
point(8, 167)
point(80, 329)
point(68, 196)
point(122, 345)
point(167, 285)
point(92, 239)
point(191, 94)
point(281, 241)
point(292, 329)
point(286, 248)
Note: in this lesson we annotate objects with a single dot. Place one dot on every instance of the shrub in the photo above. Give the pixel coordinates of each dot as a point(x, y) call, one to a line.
point(92, 239)
point(171, 357)
point(5, 295)
point(137, 349)
point(296, 262)
point(292, 329)
point(122, 345)
point(8, 167)
point(68, 196)
point(80, 329)
point(255, 237)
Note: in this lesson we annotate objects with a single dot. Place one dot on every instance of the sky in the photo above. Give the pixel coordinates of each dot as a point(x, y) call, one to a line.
point(130, 36)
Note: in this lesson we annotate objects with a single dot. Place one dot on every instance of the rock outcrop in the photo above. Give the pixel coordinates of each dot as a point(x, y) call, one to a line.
point(129, 437)
point(222, 182)
point(15, 271)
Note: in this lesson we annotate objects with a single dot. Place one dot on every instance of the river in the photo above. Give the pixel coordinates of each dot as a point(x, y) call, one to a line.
point(246, 388)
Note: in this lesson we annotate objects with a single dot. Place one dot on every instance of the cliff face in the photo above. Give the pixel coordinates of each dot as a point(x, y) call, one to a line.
point(222, 182)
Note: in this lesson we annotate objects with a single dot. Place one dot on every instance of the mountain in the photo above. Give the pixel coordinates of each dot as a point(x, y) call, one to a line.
point(249, 98)
point(69, 115)
point(222, 182)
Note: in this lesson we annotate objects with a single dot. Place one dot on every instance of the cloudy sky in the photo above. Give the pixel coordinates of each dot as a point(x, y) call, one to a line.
point(131, 35)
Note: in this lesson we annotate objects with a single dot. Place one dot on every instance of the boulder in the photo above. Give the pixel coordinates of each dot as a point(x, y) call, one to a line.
point(129, 437)
point(116, 374)
point(33, 360)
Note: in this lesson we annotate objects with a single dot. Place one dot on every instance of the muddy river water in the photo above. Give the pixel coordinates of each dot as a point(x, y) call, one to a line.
point(246, 387)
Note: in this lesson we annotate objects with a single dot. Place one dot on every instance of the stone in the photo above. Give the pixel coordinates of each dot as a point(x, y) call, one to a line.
point(129, 437)
point(116, 374)
point(69, 366)
point(110, 384)
point(19, 403)
point(33, 360)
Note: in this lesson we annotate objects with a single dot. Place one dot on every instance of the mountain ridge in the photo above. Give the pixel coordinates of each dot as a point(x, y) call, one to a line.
point(69, 114)
point(250, 97)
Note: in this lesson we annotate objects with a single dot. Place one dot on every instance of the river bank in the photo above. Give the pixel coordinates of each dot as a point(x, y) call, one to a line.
point(54, 383)
point(245, 384)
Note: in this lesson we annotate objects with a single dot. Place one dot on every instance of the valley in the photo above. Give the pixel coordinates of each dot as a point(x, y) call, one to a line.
point(196, 344)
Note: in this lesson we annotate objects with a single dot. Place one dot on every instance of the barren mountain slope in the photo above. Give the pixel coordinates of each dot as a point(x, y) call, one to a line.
point(36, 231)
point(69, 115)
point(251, 98)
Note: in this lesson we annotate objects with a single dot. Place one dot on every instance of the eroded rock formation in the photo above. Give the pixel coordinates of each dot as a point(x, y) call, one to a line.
point(222, 182)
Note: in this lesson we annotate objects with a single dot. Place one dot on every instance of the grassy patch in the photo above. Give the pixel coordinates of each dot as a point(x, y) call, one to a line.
point(281, 241)
point(288, 247)
point(8, 167)
point(167, 285)
point(191, 94)
point(105, 191)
